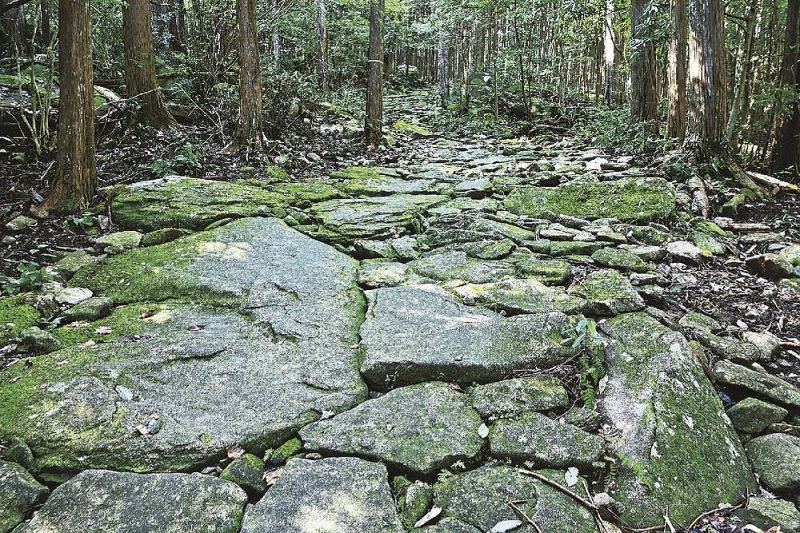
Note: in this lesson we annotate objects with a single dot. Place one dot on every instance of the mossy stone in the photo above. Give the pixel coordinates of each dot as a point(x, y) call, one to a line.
point(676, 446)
point(549, 272)
point(39, 341)
point(628, 199)
point(413, 502)
point(162, 236)
point(753, 416)
point(191, 203)
point(120, 241)
point(562, 248)
point(608, 293)
point(776, 459)
point(516, 396)
point(248, 472)
point(285, 451)
point(414, 129)
point(516, 296)
point(619, 259)
point(20, 493)
point(15, 316)
point(91, 309)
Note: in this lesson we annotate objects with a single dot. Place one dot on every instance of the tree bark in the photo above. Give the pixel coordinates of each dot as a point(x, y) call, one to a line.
point(644, 90)
point(708, 101)
point(322, 27)
point(676, 76)
point(745, 62)
point(251, 105)
point(443, 63)
point(276, 35)
point(374, 121)
point(787, 147)
point(609, 52)
point(140, 66)
point(45, 33)
point(76, 175)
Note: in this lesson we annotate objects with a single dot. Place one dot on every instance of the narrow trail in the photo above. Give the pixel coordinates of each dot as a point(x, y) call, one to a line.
point(413, 340)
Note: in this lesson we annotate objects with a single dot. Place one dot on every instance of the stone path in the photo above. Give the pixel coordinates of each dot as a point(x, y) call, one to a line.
point(385, 349)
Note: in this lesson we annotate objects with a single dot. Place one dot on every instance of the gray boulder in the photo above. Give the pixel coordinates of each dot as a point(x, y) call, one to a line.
point(752, 415)
point(608, 293)
point(545, 442)
point(776, 460)
point(123, 502)
point(422, 428)
point(522, 296)
point(678, 449)
point(276, 320)
point(19, 494)
point(419, 333)
point(339, 494)
point(480, 498)
point(516, 396)
point(758, 383)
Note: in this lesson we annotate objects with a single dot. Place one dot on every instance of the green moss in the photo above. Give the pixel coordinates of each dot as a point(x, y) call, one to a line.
point(274, 173)
point(414, 129)
point(15, 316)
point(627, 199)
point(286, 451)
point(306, 193)
point(706, 226)
point(362, 173)
point(124, 322)
point(154, 274)
point(192, 203)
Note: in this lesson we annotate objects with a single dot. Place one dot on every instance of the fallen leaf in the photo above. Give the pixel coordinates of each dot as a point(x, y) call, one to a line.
point(196, 327)
point(141, 428)
point(147, 314)
point(571, 476)
point(103, 330)
point(235, 451)
point(271, 476)
point(483, 431)
point(506, 525)
point(430, 515)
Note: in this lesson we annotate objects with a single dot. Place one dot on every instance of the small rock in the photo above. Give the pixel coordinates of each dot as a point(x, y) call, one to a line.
point(768, 345)
point(753, 416)
point(247, 472)
point(620, 259)
point(285, 451)
point(771, 266)
point(792, 254)
point(583, 418)
point(21, 223)
point(776, 459)
point(73, 295)
point(89, 309)
point(517, 396)
point(74, 261)
point(162, 236)
point(337, 494)
point(121, 241)
point(759, 383)
point(685, 251)
point(609, 293)
point(766, 513)
point(413, 502)
point(39, 341)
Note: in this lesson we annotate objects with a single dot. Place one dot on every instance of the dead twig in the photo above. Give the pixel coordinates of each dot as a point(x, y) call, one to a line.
point(528, 519)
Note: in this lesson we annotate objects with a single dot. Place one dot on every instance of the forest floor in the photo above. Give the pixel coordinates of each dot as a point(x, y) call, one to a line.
point(454, 331)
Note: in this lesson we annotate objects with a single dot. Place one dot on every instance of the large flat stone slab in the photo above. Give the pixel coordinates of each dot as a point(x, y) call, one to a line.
point(177, 202)
point(420, 333)
point(422, 428)
point(117, 502)
point(677, 446)
point(516, 296)
point(268, 345)
point(545, 442)
point(337, 495)
point(480, 498)
point(627, 199)
point(344, 221)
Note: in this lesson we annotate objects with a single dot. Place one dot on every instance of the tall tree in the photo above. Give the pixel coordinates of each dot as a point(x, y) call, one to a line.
point(374, 121)
point(609, 52)
point(708, 78)
point(644, 89)
point(76, 175)
point(140, 66)
point(676, 75)
point(443, 58)
point(787, 146)
point(322, 28)
point(251, 103)
point(44, 32)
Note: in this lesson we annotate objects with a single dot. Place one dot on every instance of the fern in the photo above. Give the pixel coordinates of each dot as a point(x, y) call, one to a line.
point(611, 474)
point(639, 470)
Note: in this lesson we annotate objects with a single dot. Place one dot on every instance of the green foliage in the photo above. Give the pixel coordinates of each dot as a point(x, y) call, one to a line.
point(83, 223)
point(187, 161)
point(31, 277)
point(591, 360)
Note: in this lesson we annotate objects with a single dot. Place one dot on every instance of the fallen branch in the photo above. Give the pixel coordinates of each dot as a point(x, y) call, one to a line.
point(700, 201)
point(520, 512)
point(586, 503)
point(769, 180)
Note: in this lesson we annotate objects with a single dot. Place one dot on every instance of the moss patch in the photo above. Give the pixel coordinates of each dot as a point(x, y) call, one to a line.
point(627, 199)
point(15, 316)
point(413, 129)
point(191, 203)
